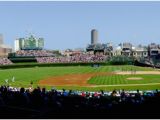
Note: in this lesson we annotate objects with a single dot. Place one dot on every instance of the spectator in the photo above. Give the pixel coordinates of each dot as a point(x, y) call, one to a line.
point(5, 61)
point(58, 103)
point(72, 59)
point(34, 53)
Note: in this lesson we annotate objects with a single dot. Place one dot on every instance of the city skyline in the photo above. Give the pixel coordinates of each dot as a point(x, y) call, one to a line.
point(68, 24)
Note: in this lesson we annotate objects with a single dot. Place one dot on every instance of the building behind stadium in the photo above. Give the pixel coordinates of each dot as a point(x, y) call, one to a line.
point(4, 49)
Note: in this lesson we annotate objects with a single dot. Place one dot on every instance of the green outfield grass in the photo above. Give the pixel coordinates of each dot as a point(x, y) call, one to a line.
point(122, 79)
point(23, 76)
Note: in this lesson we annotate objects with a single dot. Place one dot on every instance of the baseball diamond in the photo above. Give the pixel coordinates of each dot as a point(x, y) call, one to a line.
point(84, 77)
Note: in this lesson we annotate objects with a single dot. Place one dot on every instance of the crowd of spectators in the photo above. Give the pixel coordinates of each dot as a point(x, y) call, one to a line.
point(33, 53)
point(72, 59)
point(42, 103)
point(5, 61)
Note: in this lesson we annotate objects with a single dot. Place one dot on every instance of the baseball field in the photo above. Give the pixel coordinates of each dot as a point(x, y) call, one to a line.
point(126, 77)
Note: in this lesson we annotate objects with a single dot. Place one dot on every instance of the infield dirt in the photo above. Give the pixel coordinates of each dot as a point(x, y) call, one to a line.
point(72, 79)
point(81, 79)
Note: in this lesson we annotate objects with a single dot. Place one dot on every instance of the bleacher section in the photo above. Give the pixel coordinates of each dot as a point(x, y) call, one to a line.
point(33, 53)
point(72, 59)
point(5, 61)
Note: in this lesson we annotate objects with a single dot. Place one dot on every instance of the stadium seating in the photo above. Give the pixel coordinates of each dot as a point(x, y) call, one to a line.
point(31, 53)
point(5, 61)
point(72, 59)
point(41, 103)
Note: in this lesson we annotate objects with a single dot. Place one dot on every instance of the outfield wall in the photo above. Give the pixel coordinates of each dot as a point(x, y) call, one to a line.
point(23, 59)
point(28, 65)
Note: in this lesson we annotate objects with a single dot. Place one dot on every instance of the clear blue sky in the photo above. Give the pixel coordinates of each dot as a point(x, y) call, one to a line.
point(68, 24)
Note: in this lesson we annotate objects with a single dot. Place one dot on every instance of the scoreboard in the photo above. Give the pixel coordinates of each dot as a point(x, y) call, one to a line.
point(31, 43)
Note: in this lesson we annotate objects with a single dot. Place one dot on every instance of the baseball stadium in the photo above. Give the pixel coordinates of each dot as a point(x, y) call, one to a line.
point(79, 59)
point(99, 67)
point(96, 82)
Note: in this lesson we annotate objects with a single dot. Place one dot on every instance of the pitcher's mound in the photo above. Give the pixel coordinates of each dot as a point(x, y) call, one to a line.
point(134, 78)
